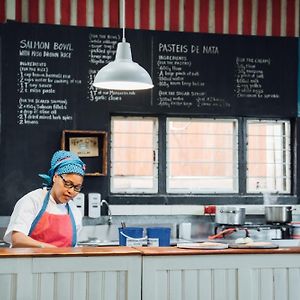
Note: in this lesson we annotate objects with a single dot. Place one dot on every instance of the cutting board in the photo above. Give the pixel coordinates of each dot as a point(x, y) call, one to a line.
point(203, 246)
point(254, 245)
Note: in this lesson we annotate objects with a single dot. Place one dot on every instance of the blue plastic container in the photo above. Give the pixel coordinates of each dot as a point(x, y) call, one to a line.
point(131, 236)
point(158, 236)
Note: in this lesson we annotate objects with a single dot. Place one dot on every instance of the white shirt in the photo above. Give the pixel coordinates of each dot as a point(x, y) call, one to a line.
point(27, 208)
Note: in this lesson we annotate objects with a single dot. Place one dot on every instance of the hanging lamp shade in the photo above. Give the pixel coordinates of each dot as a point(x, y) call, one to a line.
point(123, 73)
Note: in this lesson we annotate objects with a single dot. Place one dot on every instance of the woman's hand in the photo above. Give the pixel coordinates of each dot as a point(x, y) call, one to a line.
point(21, 240)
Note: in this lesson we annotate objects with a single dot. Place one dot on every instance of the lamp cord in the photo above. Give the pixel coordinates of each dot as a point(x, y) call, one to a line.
point(123, 17)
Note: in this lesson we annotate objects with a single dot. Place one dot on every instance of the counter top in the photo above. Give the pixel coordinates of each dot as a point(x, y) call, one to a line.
point(144, 251)
point(78, 251)
point(178, 251)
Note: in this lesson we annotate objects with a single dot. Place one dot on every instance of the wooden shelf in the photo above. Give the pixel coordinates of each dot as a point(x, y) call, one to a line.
point(90, 146)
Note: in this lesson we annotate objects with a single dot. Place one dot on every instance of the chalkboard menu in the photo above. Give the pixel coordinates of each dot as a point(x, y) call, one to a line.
point(245, 76)
point(47, 75)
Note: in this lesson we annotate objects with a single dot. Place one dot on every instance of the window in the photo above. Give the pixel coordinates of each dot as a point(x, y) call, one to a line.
point(199, 156)
point(268, 156)
point(134, 144)
point(202, 156)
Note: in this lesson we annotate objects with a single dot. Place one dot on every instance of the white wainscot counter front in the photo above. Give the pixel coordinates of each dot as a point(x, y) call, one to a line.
point(149, 273)
point(103, 277)
point(222, 277)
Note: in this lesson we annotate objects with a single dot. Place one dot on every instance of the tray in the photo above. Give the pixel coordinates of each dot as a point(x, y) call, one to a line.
point(255, 245)
point(203, 246)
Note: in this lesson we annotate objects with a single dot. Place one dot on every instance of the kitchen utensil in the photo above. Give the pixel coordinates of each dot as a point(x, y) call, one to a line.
point(295, 230)
point(278, 214)
point(97, 243)
point(230, 215)
point(123, 225)
point(222, 234)
point(203, 246)
point(254, 245)
point(3, 244)
point(243, 240)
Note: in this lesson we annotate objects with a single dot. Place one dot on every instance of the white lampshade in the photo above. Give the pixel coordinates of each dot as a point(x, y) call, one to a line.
point(123, 73)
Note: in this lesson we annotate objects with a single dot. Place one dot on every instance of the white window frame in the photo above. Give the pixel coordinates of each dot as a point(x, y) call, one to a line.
point(259, 188)
point(220, 189)
point(133, 190)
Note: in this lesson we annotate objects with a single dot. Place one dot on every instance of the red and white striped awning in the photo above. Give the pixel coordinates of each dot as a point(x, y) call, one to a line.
point(248, 17)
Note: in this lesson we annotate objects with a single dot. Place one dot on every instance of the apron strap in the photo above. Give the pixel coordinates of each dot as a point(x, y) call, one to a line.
point(41, 212)
point(74, 233)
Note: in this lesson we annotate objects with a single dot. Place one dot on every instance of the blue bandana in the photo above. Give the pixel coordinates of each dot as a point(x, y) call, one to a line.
point(64, 162)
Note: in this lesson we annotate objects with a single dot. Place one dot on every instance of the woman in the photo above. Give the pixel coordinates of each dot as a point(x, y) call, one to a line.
point(46, 217)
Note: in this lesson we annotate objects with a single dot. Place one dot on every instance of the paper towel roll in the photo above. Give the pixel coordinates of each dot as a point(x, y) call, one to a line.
point(185, 231)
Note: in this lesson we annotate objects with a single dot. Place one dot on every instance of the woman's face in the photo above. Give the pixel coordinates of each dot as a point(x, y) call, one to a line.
point(65, 187)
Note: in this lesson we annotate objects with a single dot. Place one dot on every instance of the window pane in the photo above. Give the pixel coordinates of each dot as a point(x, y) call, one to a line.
point(268, 156)
point(201, 155)
point(133, 155)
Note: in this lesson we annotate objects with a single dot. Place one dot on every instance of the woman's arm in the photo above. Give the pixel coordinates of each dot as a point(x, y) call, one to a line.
point(21, 240)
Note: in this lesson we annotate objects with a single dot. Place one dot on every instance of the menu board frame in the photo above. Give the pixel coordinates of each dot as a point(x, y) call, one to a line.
point(47, 88)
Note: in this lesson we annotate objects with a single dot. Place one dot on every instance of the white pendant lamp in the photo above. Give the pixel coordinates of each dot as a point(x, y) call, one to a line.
point(123, 73)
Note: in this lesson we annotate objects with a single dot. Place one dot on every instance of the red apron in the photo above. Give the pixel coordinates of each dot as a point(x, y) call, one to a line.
point(58, 230)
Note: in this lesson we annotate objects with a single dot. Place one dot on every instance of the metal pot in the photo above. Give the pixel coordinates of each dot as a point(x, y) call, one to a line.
point(230, 215)
point(278, 214)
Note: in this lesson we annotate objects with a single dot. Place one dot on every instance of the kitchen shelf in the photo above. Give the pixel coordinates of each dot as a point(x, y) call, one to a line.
point(90, 146)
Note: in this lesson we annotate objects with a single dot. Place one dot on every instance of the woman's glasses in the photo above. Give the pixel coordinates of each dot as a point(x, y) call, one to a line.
point(69, 185)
